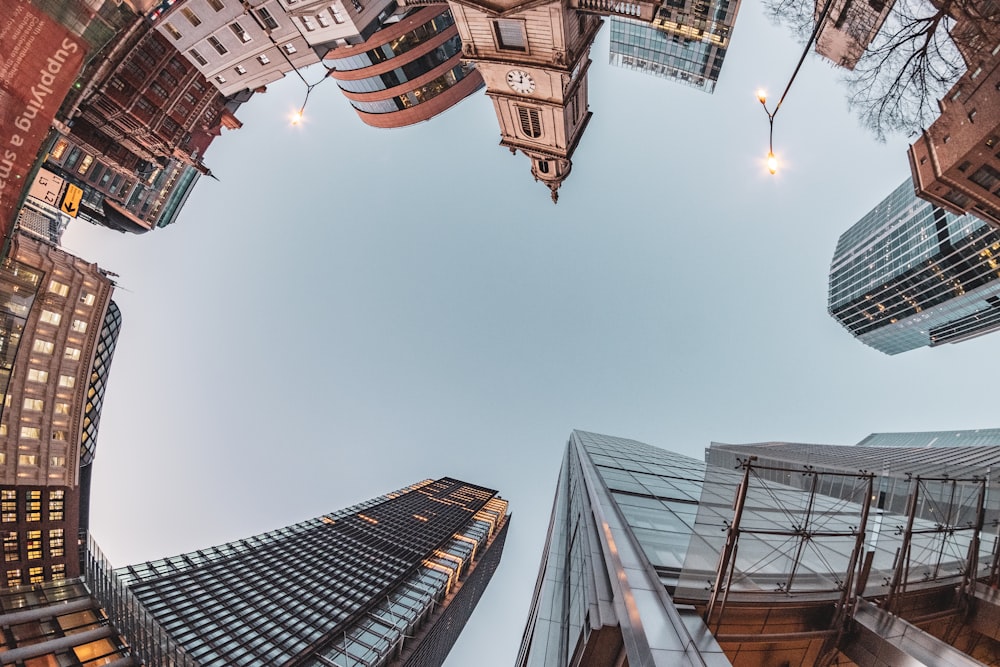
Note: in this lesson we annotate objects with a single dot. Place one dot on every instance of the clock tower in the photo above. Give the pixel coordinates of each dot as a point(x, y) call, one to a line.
point(533, 56)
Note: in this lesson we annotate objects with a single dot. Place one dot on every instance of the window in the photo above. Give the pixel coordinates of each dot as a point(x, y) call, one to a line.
point(27, 459)
point(11, 548)
point(87, 299)
point(985, 177)
point(58, 151)
point(36, 575)
point(67, 381)
point(57, 542)
point(216, 5)
point(307, 23)
point(190, 16)
point(266, 18)
point(171, 30)
point(79, 326)
point(335, 13)
point(220, 79)
point(57, 461)
point(58, 571)
point(323, 20)
point(217, 45)
point(51, 317)
point(59, 435)
point(34, 544)
point(33, 404)
point(59, 288)
point(72, 353)
point(197, 57)
point(43, 346)
point(263, 59)
point(13, 577)
point(145, 105)
point(62, 408)
point(85, 164)
point(509, 34)
point(531, 122)
point(238, 30)
point(290, 48)
point(240, 69)
point(159, 90)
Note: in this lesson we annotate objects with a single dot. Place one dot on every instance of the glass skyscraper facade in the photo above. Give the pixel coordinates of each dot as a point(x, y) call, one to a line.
point(645, 48)
point(390, 581)
point(910, 274)
point(655, 558)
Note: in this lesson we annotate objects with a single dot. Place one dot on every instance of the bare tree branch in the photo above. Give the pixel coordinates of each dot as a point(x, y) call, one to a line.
point(922, 49)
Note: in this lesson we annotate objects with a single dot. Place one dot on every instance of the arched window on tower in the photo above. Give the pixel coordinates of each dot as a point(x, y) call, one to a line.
point(543, 166)
point(531, 122)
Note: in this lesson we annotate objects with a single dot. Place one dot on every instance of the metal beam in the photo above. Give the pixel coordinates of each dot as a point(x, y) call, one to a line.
point(881, 639)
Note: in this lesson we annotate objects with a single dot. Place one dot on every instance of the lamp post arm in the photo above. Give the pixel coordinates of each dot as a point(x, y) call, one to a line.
point(805, 52)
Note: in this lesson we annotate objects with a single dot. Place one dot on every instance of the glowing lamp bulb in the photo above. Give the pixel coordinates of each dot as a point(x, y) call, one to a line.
point(296, 118)
point(761, 96)
point(772, 163)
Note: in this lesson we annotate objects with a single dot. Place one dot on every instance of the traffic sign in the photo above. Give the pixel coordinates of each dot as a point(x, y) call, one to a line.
point(71, 200)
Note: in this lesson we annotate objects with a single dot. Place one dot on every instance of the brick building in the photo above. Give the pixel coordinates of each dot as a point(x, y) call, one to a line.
point(956, 161)
point(139, 132)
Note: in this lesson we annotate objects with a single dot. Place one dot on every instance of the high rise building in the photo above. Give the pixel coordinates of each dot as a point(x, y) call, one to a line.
point(686, 41)
point(910, 274)
point(693, 61)
point(59, 329)
point(768, 554)
point(390, 581)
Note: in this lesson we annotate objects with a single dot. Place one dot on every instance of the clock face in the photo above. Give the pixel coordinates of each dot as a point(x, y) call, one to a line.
point(520, 81)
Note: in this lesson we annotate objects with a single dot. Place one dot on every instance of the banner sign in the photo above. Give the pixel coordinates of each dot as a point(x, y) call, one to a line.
point(39, 59)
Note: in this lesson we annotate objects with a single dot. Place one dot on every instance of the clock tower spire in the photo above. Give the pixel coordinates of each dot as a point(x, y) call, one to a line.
point(533, 56)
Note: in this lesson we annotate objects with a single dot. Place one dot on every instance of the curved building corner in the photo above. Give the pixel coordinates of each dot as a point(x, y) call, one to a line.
point(407, 72)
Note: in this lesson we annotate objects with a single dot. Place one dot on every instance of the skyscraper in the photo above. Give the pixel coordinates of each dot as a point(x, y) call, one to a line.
point(910, 274)
point(58, 333)
point(394, 578)
point(655, 558)
point(685, 59)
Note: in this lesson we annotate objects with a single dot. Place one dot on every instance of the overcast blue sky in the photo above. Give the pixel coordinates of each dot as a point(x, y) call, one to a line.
point(350, 310)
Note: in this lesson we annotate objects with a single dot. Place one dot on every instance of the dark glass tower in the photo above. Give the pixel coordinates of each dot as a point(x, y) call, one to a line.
point(910, 274)
point(389, 581)
point(768, 554)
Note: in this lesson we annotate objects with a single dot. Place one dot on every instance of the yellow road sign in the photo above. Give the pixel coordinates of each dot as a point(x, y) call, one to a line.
point(71, 200)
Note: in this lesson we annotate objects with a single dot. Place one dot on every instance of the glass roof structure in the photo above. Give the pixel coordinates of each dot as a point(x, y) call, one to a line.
point(759, 556)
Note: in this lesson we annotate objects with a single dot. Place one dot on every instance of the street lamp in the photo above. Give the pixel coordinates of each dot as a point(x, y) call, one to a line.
point(772, 161)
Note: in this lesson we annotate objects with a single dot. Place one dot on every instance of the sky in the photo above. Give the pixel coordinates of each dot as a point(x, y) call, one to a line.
point(350, 310)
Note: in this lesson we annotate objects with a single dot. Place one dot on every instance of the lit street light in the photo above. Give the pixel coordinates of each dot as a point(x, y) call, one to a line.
point(772, 161)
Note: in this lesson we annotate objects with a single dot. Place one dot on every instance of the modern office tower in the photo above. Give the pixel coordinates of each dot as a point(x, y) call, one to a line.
point(956, 161)
point(910, 274)
point(645, 48)
point(685, 42)
point(407, 71)
point(59, 328)
point(655, 558)
point(390, 581)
